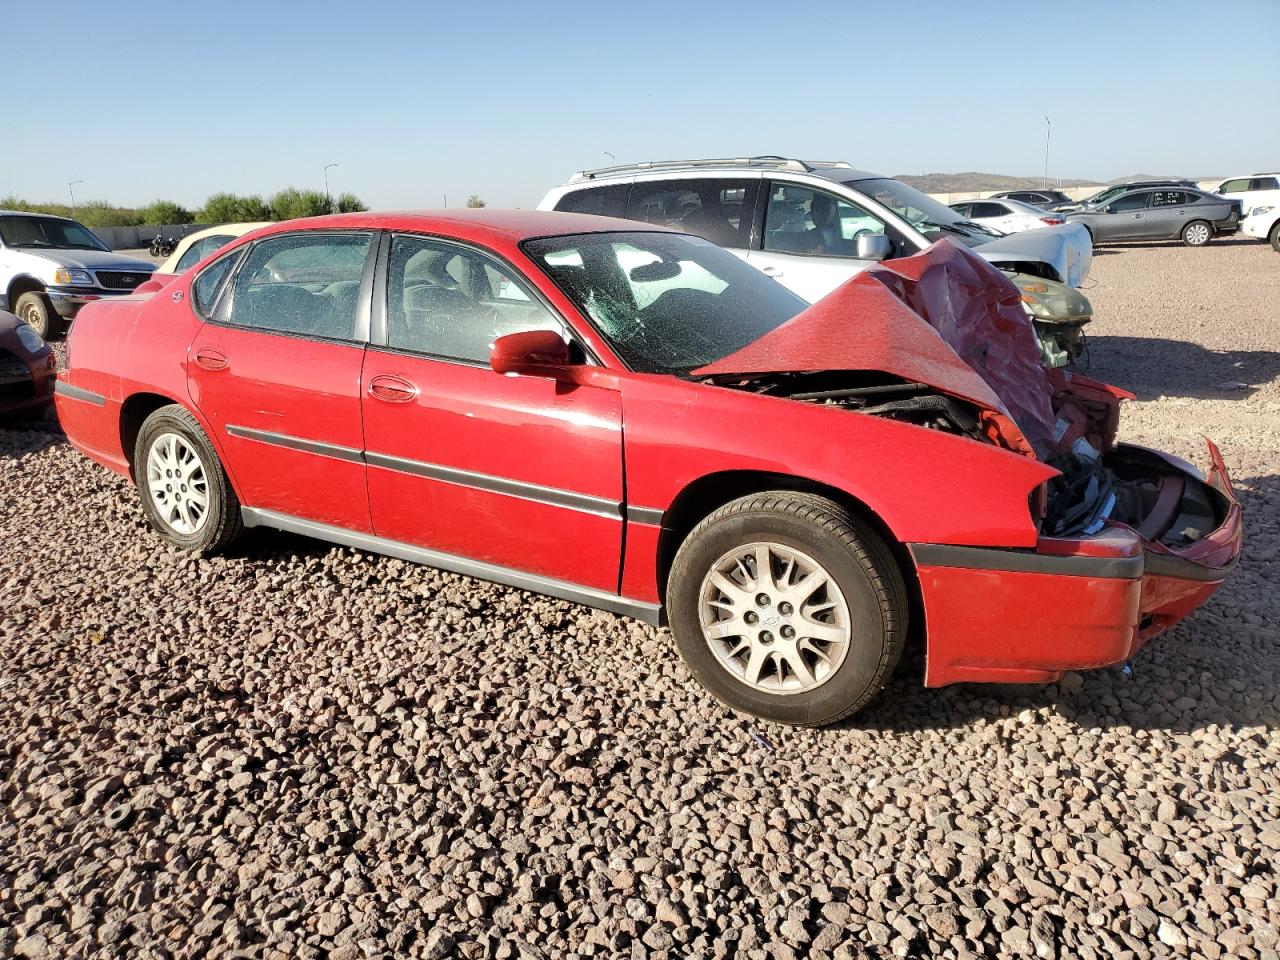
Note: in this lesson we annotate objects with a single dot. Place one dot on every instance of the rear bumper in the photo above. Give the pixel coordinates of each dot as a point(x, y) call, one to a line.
point(1028, 616)
point(67, 301)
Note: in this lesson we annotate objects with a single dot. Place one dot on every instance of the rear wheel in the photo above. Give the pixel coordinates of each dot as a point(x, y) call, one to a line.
point(1275, 237)
point(786, 607)
point(1197, 233)
point(185, 492)
point(34, 309)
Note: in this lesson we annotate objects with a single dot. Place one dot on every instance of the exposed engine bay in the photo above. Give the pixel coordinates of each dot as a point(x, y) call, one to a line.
point(1129, 485)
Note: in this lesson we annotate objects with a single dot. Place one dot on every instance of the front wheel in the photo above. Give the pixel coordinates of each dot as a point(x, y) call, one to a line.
point(785, 606)
point(35, 310)
point(185, 493)
point(1197, 233)
point(1275, 237)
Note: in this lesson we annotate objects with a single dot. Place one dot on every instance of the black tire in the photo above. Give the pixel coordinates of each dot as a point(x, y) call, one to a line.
point(222, 523)
point(851, 554)
point(34, 308)
point(1194, 231)
point(1275, 237)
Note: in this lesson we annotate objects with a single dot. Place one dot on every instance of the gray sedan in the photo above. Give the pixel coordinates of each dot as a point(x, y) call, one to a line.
point(1162, 213)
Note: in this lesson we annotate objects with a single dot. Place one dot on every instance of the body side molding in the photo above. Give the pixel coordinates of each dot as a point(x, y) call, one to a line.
point(650, 613)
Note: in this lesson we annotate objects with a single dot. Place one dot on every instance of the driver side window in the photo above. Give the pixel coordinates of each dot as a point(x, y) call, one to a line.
point(452, 302)
point(1132, 201)
point(806, 221)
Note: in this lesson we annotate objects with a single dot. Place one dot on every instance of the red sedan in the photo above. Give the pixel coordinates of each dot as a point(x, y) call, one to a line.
point(635, 419)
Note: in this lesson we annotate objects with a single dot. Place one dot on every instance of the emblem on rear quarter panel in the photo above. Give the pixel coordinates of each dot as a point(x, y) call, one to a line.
point(177, 296)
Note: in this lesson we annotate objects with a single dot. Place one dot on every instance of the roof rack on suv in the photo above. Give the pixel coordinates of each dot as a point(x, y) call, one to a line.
point(770, 162)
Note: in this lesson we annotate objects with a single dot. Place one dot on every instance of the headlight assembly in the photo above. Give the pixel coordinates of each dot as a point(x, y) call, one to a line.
point(30, 339)
point(72, 278)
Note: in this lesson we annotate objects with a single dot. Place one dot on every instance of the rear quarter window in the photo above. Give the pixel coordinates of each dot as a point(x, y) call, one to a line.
point(204, 292)
point(603, 201)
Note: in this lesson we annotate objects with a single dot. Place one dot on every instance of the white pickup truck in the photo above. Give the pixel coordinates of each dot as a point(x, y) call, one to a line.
point(51, 266)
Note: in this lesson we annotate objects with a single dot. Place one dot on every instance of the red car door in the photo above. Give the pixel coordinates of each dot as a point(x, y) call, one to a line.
point(275, 370)
point(520, 473)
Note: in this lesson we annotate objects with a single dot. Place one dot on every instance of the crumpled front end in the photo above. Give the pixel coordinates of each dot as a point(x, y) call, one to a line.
point(1129, 540)
point(1076, 603)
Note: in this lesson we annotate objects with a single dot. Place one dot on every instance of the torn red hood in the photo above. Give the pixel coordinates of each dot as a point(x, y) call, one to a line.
point(944, 317)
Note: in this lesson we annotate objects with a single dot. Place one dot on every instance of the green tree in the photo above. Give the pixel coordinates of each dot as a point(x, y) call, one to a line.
point(230, 208)
point(165, 212)
point(291, 203)
point(350, 203)
point(474, 202)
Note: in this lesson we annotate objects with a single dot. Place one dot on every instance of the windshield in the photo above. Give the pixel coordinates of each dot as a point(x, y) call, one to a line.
point(52, 232)
point(931, 218)
point(666, 302)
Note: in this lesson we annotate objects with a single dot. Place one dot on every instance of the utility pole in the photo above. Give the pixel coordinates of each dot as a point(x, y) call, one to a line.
point(328, 202)
point(71, 190)
point(1047, 128)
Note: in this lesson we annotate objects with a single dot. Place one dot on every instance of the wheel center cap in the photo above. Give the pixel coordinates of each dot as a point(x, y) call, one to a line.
point(770, 618)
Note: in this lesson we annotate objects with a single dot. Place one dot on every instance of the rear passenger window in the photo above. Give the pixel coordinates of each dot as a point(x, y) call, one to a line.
point(608, 201)
point(451, 301)
point(988, 209)
point(1262, 183)
point(716, 210)
point(307, 284)
point(1170, 198)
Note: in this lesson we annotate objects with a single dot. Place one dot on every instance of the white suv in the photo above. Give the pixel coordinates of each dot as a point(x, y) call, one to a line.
point(51, 266)
point(811, 225)
point(1256, 190)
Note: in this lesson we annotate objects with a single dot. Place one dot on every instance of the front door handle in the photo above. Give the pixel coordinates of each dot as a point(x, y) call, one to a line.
point(771, 271)
point(392, 389)
point(211, 359)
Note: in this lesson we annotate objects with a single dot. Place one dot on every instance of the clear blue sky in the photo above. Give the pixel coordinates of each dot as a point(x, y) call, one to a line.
point(419, 100)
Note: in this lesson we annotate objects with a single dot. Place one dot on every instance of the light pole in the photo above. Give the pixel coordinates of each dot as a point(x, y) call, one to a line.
point(327, 201)
point(612, 158)
point(71, 190)
point(445, 198)
point(1047, 127)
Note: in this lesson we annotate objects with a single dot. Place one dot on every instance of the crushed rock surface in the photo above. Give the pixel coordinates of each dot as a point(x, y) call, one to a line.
point(299, 751)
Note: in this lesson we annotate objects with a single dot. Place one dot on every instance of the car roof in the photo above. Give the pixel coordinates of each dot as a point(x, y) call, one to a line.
point(836, 170)
point(511, 226)
point(33, 213)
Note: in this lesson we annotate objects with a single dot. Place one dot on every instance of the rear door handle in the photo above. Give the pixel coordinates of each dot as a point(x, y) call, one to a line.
point(771, 271)
point(211, 359)
point(392, 389)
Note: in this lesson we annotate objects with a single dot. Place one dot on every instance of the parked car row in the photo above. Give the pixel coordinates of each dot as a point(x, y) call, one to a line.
point(452, 389)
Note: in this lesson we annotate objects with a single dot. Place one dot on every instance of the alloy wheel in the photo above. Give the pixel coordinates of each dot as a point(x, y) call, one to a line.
point(1197, 234)
point(177, 483)
point(774, 618)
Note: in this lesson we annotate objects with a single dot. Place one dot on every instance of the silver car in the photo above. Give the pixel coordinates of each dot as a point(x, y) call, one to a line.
point(1163, 213)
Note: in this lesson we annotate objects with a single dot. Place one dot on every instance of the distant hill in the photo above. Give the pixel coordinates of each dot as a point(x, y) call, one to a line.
point(979, 182)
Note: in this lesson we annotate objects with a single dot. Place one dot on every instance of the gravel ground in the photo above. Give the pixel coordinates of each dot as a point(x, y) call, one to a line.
point(299, 751)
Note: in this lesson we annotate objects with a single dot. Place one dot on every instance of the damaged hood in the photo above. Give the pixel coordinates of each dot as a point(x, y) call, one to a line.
point(1068, 249)
point(944, 318)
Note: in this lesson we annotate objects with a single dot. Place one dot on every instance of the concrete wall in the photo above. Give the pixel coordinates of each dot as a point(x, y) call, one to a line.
point(136, 238)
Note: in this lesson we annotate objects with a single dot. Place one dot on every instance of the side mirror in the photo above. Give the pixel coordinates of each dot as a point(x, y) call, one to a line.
point(873, 246)
point(532, 351)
